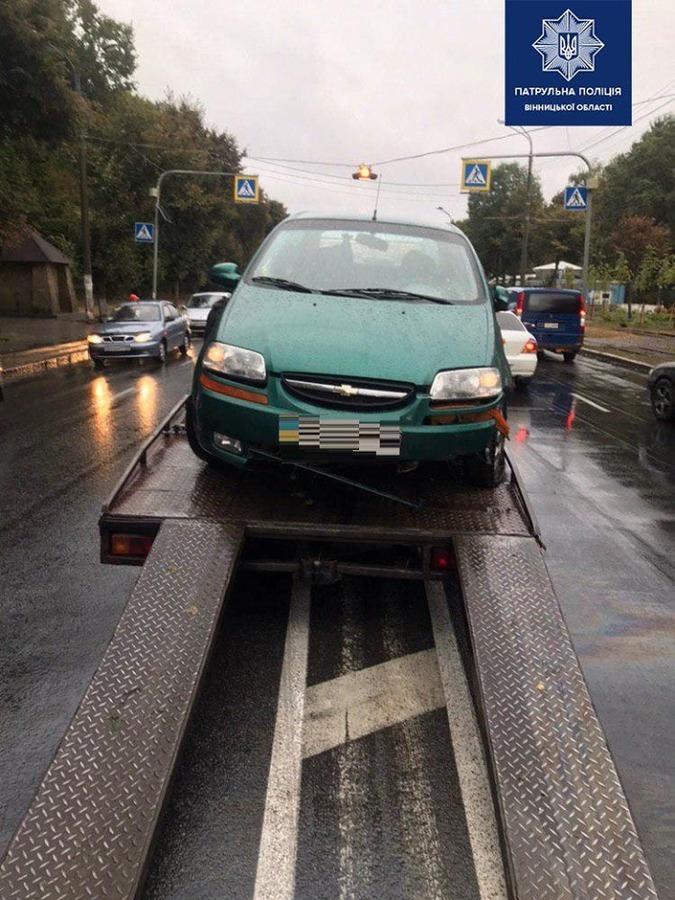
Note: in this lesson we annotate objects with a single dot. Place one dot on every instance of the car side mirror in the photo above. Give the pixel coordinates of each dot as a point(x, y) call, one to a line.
point(225, 274)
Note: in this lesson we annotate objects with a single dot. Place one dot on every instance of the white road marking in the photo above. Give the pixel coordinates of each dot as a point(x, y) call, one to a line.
point(590, 402)
point(471, 766)
point(275, 876)
point(361, 703)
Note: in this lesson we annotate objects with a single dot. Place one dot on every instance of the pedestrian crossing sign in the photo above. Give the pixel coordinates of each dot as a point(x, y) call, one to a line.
point(476, 176)
point(246, 189)
point(144, 232)
point(576, 198)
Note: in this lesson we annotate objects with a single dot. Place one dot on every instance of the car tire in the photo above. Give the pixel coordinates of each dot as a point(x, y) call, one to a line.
point(161, 355)
point(523, 384)
point(569, 356)
point(487, 468)
point(541, 355)
point(193, 440)
point(98, 363)
point(663, 400)
point(185, 346)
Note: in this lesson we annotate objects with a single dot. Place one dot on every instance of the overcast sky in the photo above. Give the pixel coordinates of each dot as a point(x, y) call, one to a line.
point(335, 81)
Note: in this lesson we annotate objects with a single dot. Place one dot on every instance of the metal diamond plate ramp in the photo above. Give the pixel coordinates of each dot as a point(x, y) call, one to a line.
point(569, 832)
point(88, 831)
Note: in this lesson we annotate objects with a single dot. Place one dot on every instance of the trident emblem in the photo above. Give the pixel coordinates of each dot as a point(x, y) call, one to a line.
point(568, 45)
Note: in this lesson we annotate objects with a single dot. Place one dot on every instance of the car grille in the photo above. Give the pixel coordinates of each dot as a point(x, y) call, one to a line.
point(117, 338)
point(348, 393)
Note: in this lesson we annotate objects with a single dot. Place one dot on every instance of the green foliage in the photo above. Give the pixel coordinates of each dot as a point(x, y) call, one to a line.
point(130, 140)
point(496, 220)
point(633, 209)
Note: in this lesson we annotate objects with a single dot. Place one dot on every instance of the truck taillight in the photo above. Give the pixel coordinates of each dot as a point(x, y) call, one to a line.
point(582, 312)
point(530, 347)
point(520, 302)
point(131, 545)
point(442, 559)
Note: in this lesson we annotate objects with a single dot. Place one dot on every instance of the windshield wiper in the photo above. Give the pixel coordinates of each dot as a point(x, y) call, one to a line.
point(282, 283)
point(386, 294)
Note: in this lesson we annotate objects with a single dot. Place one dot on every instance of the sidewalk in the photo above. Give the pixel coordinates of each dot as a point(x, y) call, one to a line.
point(30, 345)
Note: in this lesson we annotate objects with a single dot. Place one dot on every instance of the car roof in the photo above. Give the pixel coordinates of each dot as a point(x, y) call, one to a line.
point(381, 220)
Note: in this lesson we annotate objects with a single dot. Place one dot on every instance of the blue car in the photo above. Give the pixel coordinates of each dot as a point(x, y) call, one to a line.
point(556, 318)
point(140, 330)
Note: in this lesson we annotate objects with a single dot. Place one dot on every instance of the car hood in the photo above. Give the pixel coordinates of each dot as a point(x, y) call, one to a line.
point(126, 327)
point(367, 338)
point(199, 314)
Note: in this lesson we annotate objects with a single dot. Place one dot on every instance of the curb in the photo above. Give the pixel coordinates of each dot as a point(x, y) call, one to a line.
point(618, 360)
point(57, 357)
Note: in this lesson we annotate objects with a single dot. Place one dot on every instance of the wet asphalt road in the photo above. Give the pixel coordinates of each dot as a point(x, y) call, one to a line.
point(601, 474)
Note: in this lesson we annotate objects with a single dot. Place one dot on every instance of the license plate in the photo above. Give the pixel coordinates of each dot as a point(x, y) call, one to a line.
point(550, 324)
point(116, 348)
point(340, 435)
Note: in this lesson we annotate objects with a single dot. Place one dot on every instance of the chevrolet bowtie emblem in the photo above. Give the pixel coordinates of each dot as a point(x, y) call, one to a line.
point(346, 390)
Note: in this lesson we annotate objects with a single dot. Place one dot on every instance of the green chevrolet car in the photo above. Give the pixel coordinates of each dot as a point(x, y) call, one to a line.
point(349, 339)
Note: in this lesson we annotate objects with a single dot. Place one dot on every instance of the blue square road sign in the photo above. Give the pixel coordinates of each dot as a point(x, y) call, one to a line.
point(576, 198)
point(144, 232)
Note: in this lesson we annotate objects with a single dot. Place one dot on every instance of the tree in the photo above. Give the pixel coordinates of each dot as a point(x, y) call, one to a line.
point(642, 180)
point(496, 219)
point(648, 277)
point(102, 49)
point(635, 234)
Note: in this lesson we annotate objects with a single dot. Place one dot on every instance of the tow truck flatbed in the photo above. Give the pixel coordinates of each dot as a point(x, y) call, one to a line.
point(565, 827)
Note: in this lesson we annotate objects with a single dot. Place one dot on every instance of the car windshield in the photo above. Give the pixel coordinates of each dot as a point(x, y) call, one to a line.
point(382, 258)
point(202, 301)
point(136, 312)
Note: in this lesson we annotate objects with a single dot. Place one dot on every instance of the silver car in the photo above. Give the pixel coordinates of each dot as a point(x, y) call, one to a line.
point(199, 306)
point(138, 329)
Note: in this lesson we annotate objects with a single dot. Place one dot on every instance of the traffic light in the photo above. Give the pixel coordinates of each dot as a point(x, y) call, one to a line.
point(364, 173)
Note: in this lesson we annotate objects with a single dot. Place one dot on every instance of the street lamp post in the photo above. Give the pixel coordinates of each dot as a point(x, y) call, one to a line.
point(591, 183)
point(528, 201)
point(446, 212)
point(156, 193)
point(84, 196)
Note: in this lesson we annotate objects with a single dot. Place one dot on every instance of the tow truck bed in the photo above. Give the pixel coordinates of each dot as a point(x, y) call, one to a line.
point(566, 828)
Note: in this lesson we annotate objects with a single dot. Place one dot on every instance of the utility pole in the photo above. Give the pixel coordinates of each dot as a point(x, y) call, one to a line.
point(84, 207)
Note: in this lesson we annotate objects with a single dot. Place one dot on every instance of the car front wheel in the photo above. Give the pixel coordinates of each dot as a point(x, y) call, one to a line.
point(662, 400)
point(161, 353)
point(487, 468)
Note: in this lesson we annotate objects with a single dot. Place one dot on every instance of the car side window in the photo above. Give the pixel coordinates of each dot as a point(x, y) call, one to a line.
point(168, 315)
point(173, 311)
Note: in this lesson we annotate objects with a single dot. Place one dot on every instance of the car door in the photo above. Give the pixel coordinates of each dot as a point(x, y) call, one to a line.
point(172, 322)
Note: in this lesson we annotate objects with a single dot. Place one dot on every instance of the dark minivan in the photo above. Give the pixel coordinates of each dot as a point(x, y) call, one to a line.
point(556, 317)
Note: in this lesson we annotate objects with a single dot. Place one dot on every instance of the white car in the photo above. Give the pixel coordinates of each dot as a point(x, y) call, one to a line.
point(520, 347)
point(199, 306)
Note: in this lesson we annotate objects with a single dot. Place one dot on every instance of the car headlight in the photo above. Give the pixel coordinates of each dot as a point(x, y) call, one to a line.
point(235, 361)
point(95, 339)
point(466, 384)
point(143, 337)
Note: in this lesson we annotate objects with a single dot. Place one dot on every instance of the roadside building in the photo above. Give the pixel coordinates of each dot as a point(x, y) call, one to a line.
point(35, 278)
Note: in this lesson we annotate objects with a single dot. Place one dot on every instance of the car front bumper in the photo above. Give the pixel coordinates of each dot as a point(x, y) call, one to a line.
point(425, 433)
point(134, 351)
